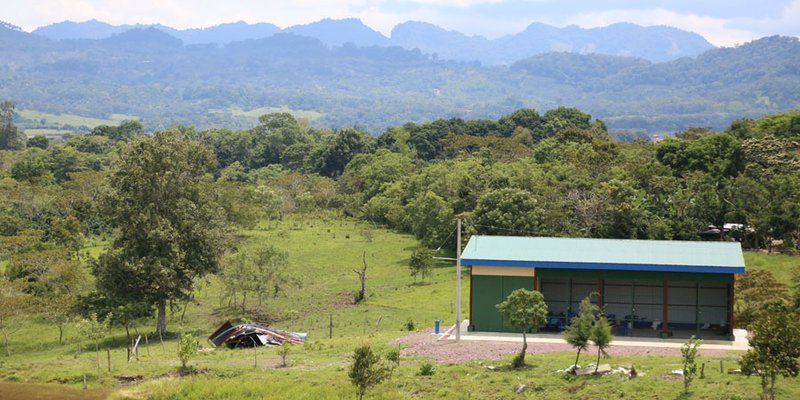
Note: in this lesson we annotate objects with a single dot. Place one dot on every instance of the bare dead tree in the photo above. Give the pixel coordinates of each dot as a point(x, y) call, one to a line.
point(362, 275)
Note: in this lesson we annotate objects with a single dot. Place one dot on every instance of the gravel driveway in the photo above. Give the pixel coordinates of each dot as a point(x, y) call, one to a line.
point(425, 344)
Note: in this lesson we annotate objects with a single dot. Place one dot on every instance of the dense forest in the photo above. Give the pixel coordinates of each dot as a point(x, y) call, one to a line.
point(557, 174)
point(151, 75)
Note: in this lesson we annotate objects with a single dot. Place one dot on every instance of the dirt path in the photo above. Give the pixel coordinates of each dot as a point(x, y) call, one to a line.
point(424, 344)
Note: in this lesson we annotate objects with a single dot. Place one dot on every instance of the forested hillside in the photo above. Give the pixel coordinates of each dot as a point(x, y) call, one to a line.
point(155, 77)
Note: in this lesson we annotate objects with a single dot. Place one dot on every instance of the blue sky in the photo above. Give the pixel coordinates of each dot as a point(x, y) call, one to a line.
point(724, 23)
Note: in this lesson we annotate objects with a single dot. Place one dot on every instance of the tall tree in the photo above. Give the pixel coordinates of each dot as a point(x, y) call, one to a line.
point(169, 229)
point(10, 137)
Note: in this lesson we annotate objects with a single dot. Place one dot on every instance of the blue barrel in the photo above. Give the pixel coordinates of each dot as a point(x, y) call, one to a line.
point(436, 329)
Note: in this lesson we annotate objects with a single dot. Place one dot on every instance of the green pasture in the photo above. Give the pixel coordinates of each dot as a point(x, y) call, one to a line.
point(70, 119)
point(324, 249)
point(257, 112)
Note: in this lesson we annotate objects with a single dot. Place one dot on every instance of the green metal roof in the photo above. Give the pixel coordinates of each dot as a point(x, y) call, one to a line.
point(610, 254)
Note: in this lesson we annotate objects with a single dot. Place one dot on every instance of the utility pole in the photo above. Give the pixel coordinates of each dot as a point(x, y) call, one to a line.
point(458, 282)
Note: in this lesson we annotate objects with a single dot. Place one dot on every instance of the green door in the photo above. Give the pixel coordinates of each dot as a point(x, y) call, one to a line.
point(487, 292)
point(510, 284)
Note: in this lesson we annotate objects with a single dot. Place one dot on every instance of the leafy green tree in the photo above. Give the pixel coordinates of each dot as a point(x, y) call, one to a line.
point(124, 132)
point(601, 337)
point(91, 144)
point(11, 138)
point(526, 118)
point(367, 173)
point(579, 331)
point(40, 141)
point(67, 232)
point(275, 133)
point(524, 310)
point(259, 271)
point(14, 306)
point(508, 211)
point(346, 144)
point(421, 262)
point(230, 146)
point(125, 313)
point(33, 167)
point(431, 219)
point(560, 118)
point(95, 330)
point(59, 310)
point(48, 271)
point(366, 370)
point(689, 354)
point(785, 124)
point(169, 230)
point(719, 154)
point(754, 290)
point(774, 347)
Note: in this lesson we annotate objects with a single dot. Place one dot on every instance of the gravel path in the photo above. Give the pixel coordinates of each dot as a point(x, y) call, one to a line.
point(424, 344)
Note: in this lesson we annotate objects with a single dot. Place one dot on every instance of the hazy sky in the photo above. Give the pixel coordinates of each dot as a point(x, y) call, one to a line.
point(723, 22)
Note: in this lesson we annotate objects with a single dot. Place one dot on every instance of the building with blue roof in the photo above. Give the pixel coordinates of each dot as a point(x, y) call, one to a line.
point(645, 287)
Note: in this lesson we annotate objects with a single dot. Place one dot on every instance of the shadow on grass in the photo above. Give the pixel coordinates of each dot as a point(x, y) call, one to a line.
point(683, 396)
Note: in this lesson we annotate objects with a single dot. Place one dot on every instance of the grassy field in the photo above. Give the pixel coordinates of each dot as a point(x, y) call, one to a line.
point(323, 251)
point(257, 112)
point(36, 118)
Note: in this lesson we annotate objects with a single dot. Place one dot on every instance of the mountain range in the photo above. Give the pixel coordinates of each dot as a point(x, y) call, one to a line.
point(655, 43)
point(156, 77)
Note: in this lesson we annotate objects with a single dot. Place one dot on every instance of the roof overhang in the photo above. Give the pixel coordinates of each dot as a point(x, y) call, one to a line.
point(604, 254)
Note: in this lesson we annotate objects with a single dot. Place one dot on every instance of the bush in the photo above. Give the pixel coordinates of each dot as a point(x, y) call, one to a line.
point(410, 325)
point(426, 369)
point(366, 370)
point(187, 348)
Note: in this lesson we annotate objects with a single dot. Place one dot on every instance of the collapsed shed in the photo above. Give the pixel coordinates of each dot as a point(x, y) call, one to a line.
point(645, 287)
point(253, 334)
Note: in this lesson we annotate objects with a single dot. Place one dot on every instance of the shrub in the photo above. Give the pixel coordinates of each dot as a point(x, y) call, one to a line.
point(366, 370)
point(689, 353)
point(426, 369)
point(410, 325)
point(187, 348)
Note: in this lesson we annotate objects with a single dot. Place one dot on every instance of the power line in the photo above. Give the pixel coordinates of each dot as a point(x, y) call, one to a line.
point(448, 238)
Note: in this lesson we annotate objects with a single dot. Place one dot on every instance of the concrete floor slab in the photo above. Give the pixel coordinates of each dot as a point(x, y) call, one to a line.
point(739, 342)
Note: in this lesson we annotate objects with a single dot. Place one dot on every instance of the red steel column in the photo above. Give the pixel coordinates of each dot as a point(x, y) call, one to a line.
point(600, 290)
point(733, 284)
point(470, 294)
point(666, 301)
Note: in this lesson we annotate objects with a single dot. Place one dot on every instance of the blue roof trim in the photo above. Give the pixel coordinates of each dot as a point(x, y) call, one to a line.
point(604, 266)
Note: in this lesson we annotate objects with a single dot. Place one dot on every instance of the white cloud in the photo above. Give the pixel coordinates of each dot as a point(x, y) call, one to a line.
point(788, 23)
point(715, 30)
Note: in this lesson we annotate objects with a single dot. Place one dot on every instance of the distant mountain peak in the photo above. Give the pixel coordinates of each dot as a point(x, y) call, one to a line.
point(336, 32)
